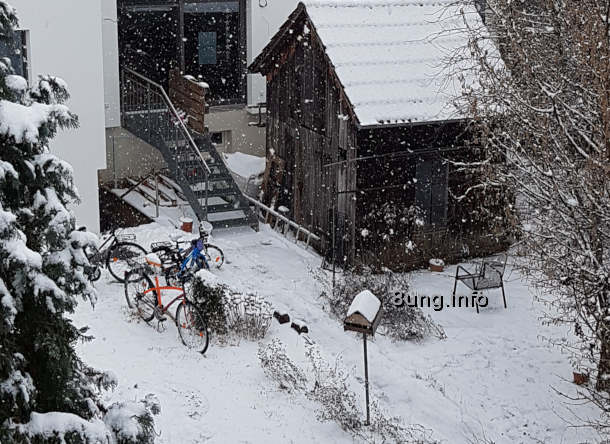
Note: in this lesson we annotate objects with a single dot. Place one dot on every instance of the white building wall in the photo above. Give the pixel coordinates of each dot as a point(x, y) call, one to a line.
point(110, 45)
point(263, 23)
point(66, 41)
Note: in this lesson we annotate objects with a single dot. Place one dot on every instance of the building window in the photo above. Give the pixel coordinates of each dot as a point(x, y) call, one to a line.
point(431, 190)
point(216, 138)
point(15, 48)
point(207, 48)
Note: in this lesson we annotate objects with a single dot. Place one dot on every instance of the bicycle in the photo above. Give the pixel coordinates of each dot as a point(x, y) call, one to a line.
point(145, 297)
point(200, 255)
point(118, 253)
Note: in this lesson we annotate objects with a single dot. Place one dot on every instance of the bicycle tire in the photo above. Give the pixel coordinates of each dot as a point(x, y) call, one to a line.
point(215, 257)
point(146, 304)
point(120, 258)
point(192, 327)
point(95, 275)
point(136, 282)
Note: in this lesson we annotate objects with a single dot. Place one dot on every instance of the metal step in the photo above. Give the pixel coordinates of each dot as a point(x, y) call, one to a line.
point(229, 223)
point(199, 170)
point(220, 208)
point(225, 192)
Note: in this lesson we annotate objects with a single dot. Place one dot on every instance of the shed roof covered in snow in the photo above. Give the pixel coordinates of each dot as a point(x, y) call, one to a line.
point(388, 55)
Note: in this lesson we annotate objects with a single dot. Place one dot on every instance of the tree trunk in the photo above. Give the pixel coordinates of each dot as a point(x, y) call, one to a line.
point(603, 367)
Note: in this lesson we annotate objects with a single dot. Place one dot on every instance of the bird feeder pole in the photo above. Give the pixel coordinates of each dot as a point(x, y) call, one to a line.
point(366, 381)
point(363, 316)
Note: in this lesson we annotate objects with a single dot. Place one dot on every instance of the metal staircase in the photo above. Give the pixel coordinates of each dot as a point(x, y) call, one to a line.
point(192, 159)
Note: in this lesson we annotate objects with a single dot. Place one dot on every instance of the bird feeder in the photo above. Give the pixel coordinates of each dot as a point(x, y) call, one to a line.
point(363, 316)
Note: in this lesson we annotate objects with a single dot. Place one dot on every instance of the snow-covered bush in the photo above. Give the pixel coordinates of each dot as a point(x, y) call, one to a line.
point(229, 311)
point(248, 315)
point(328, 386)
point(337, 402)
point(385, 428)
point(208, 294)
point(58, 428)
point(278, 366)
point(133, 422)
point(399, 323)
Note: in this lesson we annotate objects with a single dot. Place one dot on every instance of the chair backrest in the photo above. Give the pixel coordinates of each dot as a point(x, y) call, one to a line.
point(498, 264)
point(492, 273)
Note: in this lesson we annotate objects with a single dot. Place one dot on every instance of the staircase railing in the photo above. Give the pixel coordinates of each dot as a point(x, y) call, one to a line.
point(148, 112)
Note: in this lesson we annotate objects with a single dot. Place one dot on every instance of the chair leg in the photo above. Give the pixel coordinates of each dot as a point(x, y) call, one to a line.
point(504, 295)
point(455, 284)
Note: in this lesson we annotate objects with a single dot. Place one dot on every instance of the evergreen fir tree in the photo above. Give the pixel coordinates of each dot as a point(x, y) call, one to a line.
point(47, 394)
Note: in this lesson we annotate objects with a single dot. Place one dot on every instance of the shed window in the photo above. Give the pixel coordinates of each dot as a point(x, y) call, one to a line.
point(431, 190)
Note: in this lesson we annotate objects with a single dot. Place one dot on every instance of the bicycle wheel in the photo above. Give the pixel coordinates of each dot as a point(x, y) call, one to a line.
point(93, 273)
point(136, 283)
point(214, 256)
point(122, 257)
point(146, 303)
point(192, 328)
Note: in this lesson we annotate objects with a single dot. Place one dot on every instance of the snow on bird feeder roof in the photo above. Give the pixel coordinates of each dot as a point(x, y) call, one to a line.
point(365, 303)
point(364, 313)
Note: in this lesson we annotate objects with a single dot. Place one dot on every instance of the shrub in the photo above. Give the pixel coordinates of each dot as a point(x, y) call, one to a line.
point(229, 311)
point(248, 315)
point(328, 387)
point(278, 366)
point(132, 422)
point(337, 402)
point(208, 295)
point(386, 428)
point(399, 323)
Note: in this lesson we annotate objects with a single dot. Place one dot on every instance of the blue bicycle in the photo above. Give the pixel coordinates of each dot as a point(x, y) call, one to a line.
point(180, 263)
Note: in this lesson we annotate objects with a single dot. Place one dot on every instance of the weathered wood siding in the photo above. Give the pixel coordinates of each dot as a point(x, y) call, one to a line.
point(308, 126)
point(387, 192)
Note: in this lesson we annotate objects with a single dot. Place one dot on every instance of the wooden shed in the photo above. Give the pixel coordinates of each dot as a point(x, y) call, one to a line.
point(364, 146)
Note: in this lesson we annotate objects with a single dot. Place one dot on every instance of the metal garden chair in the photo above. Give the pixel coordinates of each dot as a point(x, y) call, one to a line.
point(488, 274)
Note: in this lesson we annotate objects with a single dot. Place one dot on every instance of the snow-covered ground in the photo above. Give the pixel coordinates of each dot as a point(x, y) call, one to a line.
point(247, 171)
point(493, 376)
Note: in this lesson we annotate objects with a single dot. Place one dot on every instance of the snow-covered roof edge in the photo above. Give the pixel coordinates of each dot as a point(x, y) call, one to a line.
point(259, 63)
point(266, 62)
